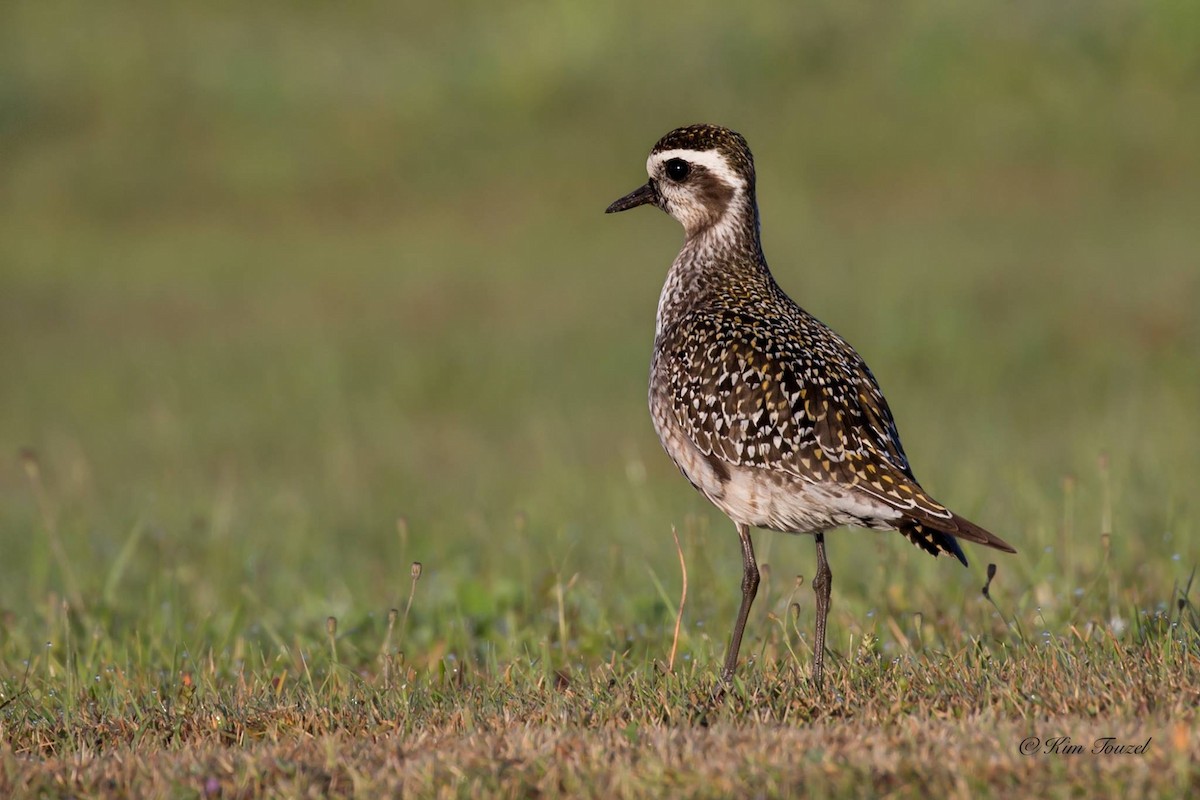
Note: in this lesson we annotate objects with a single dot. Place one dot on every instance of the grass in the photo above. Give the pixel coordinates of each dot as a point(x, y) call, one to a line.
point(292, 299)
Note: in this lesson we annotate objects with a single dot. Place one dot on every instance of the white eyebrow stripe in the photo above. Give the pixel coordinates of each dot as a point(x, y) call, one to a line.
point(711, 160)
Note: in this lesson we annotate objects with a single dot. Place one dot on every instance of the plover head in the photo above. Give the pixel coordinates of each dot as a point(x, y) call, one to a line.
point(702, 175)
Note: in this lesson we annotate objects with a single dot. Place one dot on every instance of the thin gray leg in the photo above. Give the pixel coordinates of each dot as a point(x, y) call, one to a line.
point(749, 589)
point(822, 584)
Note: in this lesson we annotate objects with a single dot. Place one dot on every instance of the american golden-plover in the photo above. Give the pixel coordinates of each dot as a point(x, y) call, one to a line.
point(770, 414)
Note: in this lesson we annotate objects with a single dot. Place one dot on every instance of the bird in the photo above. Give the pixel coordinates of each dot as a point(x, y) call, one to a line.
point(770, 414)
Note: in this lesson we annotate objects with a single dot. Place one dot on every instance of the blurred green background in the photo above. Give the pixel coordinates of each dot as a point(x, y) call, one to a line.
point(275, 276)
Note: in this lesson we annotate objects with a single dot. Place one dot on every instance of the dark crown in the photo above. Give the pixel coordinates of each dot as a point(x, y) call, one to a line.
point(730, 144)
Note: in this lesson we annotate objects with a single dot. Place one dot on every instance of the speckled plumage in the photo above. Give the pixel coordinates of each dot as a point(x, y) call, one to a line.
point(768, 412)
point(749, 381)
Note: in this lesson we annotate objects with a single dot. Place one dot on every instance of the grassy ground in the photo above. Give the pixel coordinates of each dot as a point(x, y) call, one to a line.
point(292, 298)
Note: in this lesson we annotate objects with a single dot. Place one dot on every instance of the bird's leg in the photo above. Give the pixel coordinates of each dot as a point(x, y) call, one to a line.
point(749, 589)
point(821, 584)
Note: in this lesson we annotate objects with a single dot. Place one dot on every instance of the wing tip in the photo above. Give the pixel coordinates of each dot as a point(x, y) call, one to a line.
point(971, 532)
point(957, 527)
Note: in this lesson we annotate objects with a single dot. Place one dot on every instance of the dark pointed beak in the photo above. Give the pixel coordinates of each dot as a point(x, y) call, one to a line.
point(638, 197)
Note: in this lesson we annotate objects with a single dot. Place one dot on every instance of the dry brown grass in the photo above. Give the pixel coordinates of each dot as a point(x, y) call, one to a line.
point(946, 724)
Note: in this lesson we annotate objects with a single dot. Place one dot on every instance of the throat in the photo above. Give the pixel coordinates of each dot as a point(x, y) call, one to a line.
point(716, 262)
point(732, 224)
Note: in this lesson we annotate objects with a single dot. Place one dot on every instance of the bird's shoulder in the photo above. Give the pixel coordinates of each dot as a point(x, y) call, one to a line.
point(775, 388)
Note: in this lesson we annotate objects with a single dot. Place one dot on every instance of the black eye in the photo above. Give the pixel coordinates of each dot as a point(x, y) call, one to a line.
point(678, 169)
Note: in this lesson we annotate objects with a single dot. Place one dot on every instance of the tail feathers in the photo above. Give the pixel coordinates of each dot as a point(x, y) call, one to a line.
point(932, 541)
point(935, 535)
